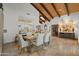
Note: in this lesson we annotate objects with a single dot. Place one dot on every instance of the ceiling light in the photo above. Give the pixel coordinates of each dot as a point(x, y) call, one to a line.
point(42, 18)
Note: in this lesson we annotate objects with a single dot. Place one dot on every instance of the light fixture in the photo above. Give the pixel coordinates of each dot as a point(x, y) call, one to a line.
point(42, 18)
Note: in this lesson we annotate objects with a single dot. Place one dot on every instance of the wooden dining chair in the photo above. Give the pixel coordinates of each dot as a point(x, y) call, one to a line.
point(22, 44)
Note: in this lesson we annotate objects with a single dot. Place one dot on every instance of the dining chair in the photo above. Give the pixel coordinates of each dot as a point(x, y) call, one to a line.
point(22, 44)
point(39, 40)
point(47, 38)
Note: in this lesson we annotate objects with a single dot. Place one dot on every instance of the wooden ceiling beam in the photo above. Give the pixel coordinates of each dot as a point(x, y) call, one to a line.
point(40, 22)
point(66, 6)
point(55, 9)
point(46, 10)
point(40, 12)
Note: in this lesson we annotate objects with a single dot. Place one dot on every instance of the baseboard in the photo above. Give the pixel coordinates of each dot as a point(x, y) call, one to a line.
point(9, 42)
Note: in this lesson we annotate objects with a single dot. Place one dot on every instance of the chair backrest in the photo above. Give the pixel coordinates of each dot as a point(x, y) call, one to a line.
point(39, 40)
point(22, 43)
point(29, 33)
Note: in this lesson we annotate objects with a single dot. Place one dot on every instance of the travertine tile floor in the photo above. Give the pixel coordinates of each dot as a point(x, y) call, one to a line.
point(59, 47)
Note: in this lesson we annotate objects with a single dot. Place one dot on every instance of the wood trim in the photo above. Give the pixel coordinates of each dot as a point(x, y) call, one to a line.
point(66, 6)
point(40, 21)
point(46, 10)
point(55, 9)
point(40, 12)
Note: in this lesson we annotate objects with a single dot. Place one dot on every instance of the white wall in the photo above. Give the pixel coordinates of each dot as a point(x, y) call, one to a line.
point(12, 11)
point(73, 16)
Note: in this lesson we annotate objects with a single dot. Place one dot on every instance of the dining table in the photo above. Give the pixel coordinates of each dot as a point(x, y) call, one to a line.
point(30, 39)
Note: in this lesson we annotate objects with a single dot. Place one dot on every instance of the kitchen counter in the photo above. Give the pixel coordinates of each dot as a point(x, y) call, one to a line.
point(70, 35)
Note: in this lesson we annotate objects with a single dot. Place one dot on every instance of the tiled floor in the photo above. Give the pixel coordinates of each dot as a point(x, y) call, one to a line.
point(59, 47)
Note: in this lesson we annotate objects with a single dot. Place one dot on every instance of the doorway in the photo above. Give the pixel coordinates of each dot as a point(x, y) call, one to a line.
point(1, 28)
